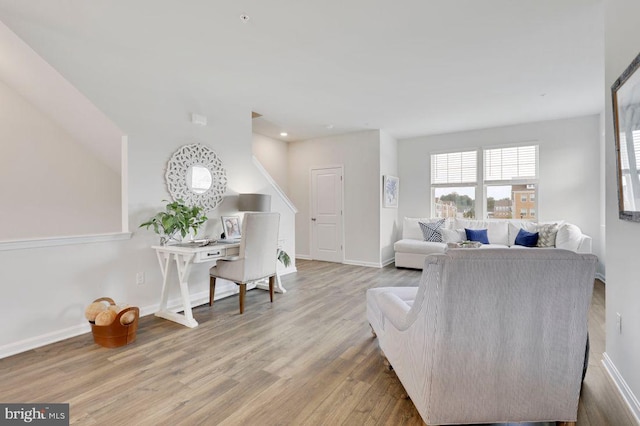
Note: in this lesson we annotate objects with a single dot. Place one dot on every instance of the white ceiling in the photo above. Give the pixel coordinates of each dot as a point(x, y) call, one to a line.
point(408, 67)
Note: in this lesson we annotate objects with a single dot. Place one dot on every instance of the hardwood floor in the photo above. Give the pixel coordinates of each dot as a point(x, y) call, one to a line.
point(307, 359)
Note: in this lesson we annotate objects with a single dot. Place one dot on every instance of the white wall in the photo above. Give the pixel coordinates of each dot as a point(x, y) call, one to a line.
point(359, 153)
point(388, 216)
point(623, 283)
point(569, 180)
point(45, 290)
point(274, 157)
point(51, 184)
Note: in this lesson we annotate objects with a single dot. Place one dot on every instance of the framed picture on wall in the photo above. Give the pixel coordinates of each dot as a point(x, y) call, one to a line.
point(626, 123)
point(231, 226)
point(390, 188)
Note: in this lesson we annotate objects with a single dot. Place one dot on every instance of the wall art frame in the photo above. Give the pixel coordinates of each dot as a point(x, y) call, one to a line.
point(390, 191)
point(625, 93)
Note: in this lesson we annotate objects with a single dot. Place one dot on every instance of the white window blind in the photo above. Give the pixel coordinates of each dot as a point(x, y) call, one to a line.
point(510, 163)
point(454, 167)
point(624, 154)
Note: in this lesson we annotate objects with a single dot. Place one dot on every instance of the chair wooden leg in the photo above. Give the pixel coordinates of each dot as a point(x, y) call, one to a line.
point(243, 291)
point(565, 423)
point(272, 280)
point(212, 289)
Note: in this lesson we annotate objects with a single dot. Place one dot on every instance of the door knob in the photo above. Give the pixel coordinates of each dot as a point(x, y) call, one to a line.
point(313, 219)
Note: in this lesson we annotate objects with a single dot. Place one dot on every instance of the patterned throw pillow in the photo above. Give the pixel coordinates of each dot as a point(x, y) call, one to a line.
point(431, 231)
point(547, 235)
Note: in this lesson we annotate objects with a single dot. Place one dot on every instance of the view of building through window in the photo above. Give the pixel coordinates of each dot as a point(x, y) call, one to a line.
point(511, 201)
point(455, 202)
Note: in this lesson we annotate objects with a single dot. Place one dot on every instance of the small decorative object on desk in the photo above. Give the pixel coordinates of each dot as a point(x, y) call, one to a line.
point(176, 218)
point(231, 227)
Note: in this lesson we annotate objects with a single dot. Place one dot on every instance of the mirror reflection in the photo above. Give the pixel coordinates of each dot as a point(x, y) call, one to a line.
point(199, 179)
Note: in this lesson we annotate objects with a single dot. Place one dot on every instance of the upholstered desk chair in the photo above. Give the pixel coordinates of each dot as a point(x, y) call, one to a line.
point(257, 258)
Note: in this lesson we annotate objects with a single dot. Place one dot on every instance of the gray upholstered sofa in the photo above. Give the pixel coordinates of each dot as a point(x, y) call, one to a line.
point(412, 249)
point(489, 335)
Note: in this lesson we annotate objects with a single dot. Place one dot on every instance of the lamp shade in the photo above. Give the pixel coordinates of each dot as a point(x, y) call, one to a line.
point(254, 202)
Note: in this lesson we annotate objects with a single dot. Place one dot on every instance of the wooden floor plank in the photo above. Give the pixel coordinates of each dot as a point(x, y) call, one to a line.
point(307, 358)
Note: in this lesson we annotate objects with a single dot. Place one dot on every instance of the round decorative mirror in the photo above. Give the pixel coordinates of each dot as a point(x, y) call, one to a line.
point(199, 179)
point(196, 176)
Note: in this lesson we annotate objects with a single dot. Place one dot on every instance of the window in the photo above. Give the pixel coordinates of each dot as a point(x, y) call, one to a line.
point(509, 186)
point(454, 179)
point(511, 178)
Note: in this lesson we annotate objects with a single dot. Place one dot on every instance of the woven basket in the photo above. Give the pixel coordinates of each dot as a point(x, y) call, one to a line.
point(115, 334)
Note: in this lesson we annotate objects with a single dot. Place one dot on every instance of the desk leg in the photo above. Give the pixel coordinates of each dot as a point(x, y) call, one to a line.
point(183, 262)
point(165, 263)
point(184, 266)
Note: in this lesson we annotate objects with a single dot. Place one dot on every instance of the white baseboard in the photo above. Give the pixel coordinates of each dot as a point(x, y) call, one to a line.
point(173, 305)
point(601, 277)
point(388, 261)
point(622, 386)
point(359, 263)
point(42, 340)
point(303, 256)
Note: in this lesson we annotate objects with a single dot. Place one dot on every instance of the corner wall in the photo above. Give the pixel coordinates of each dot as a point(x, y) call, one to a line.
point(359, 153)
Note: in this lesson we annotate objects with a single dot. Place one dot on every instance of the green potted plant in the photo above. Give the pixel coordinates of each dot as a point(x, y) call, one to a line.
point(176, 218)
point(284, 258)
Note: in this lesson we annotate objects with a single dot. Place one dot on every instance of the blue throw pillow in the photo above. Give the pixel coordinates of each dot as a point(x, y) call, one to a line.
point(527, 239)
point(479, 235)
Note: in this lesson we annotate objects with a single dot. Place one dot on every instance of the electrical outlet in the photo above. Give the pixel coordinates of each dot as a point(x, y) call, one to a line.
point(140, 278)
point(619, 322)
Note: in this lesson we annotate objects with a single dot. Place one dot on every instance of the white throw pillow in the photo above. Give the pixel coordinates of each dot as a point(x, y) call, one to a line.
point(497, 230)
point(568, 237)
point(453, 235)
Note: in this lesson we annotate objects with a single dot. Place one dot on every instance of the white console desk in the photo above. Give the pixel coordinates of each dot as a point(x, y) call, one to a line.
point(184, 257)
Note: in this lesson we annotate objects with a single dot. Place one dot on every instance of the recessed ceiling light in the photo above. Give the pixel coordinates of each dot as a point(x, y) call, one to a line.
point(284, 134)
point(244, 18)
point(329, 126)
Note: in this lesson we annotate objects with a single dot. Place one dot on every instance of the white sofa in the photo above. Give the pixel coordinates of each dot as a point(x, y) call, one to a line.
point(412, 249)
point(489, 335)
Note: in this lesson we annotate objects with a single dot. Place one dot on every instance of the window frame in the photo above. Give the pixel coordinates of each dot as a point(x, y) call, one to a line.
point(467, 184)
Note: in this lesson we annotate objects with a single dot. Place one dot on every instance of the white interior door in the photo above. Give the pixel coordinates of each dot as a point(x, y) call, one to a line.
point(326, 214)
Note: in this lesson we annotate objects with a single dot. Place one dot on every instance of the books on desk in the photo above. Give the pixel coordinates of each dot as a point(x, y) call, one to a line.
point(195, 243)
point(205, 242)
point(228, 241)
